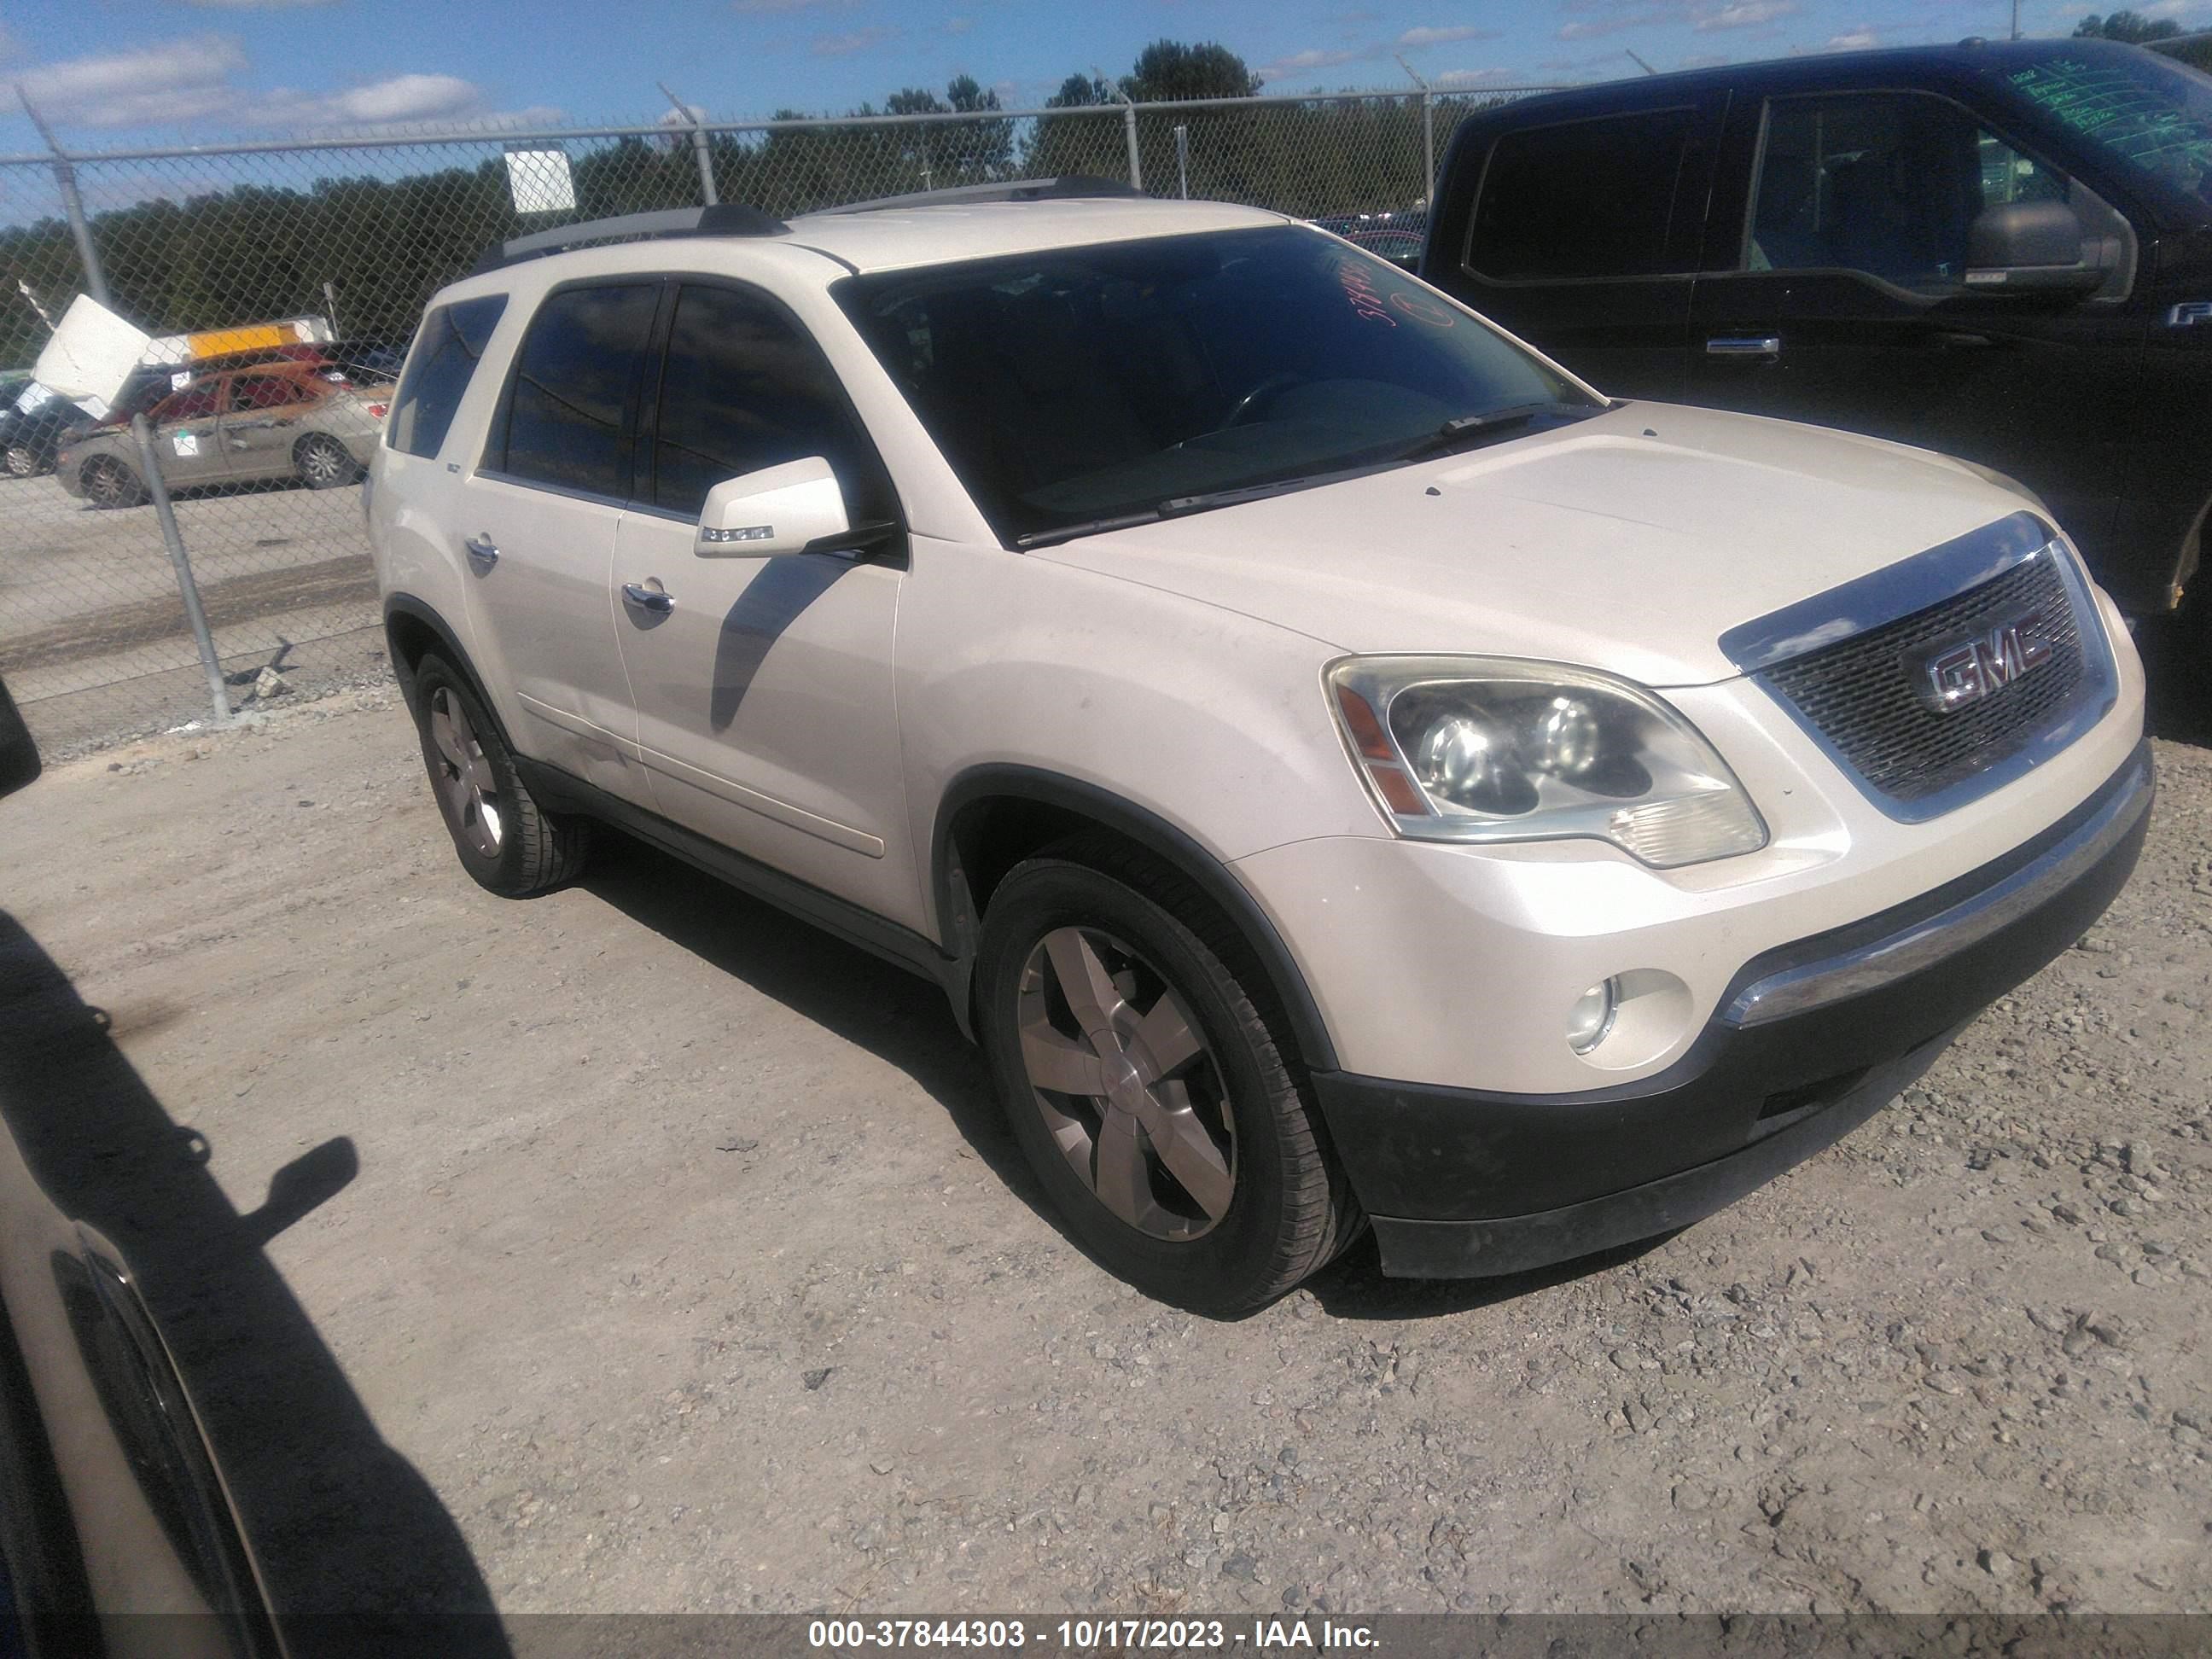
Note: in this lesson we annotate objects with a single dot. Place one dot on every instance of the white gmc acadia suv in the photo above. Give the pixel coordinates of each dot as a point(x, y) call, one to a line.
point(1344, 770)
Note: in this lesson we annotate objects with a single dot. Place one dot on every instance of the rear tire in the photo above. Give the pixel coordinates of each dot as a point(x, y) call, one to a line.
point(324, 463)
point(1247, 1201)
point(108, 483)
point(506, 842)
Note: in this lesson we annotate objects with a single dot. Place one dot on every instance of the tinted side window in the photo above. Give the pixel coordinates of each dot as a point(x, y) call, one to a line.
point(453, 338)
point(745, 388)
point(572, 380)
point(1885, 183)
point(190, 404)
point(265, 392)
point(1587, 198)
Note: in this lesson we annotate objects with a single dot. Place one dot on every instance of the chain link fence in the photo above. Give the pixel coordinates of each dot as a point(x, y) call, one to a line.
point(283, 282)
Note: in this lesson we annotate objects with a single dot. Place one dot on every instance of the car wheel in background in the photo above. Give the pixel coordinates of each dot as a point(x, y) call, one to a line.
point(508, 843)
point(325, 463)
point(20, 460)
point(108, 482)
point(1122, 1016)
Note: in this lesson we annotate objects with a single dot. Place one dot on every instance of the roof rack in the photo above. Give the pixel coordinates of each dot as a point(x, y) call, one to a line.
point(1073, 186)
point(724, 219)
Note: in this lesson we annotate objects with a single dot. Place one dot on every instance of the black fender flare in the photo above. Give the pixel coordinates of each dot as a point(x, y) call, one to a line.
point(957, 914)
point(450, 646)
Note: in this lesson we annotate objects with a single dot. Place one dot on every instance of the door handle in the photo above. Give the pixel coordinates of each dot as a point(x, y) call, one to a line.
point(649, 598)
point(1744, 345)
point(482, 550)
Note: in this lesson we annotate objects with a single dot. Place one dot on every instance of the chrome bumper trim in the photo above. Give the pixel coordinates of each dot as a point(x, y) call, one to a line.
point(1927, 942)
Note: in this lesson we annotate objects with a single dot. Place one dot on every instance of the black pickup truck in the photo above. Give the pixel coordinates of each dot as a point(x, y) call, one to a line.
point(2002, 250)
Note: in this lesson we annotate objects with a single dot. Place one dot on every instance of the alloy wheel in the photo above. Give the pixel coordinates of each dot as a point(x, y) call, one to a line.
point(1129, 1090)
point(322, 462)
point(21, 462)
point(471, 787)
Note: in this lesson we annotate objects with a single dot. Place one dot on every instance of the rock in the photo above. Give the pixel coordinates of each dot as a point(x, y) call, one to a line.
point(814, 1379)
point(268, 683)
point(1240, 1566)
point(1995, 1563)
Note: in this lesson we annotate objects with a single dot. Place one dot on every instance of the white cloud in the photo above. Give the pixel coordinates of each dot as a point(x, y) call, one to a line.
point(1589, 28)
point(1301, 62)
point(860, 40)
point(1857, 39)
point(147, 86)
point(1427, 36)
point(1746, 14)
point(1467, 78)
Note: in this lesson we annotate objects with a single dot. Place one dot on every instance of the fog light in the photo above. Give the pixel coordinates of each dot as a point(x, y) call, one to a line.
point(1592, 1016)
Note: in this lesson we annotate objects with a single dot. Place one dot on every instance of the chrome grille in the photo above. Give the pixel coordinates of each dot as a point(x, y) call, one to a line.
point(1860, 694)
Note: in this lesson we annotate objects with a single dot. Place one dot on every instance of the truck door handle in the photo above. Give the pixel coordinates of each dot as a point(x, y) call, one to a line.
point(1744, 345)
point(482, 550)
point(649, 598)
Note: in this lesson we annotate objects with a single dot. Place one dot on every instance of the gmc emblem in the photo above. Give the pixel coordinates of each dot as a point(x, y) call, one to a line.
point(1974, 669)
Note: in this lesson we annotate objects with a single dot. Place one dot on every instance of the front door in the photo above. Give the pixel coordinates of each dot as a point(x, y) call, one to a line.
point(534, 527)
point(763, 686)
point(1583, 239)
point(1840, 298)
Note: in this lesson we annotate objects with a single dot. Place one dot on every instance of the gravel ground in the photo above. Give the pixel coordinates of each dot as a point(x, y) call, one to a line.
point(671, 1256)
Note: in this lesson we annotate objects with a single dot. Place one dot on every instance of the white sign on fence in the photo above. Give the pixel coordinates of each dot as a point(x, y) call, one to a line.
point(540, 181)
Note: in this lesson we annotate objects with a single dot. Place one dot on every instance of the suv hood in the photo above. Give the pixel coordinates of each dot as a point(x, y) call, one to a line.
point(1630, 542)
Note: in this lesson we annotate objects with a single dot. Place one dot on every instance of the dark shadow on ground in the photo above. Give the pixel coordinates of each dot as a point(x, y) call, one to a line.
point(1353, 1286)
point(340, 1523)
point(893, 1014)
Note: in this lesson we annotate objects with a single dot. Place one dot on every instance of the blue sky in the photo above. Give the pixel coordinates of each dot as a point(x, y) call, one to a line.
point(109, 72)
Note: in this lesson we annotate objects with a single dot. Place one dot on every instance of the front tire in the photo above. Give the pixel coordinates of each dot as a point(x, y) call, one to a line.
point(109, 484)
point(506, 842)
point(22, 461)
point(1123, 1018)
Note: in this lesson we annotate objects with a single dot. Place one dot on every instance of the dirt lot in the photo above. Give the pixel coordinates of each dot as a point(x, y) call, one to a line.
point(92, 637)
point(685, 1266)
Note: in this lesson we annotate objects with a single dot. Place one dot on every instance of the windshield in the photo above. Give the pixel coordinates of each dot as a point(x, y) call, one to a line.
point(2147, 111)
point(1096, 383)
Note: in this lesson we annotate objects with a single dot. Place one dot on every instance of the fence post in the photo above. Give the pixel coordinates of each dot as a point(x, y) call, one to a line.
point(701, 151)
point(150, 463)
point(1129, 132)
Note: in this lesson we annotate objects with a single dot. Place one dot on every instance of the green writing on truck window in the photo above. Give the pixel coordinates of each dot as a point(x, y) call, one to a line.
point(2131, 115)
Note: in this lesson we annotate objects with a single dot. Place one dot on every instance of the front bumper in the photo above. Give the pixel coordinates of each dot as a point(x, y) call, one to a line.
point(1810, 1040)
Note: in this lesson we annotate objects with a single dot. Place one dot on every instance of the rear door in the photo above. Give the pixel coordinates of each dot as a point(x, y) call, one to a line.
point(534, 525)
point(765, 685)
point(1582, 238)
point(1835, 292)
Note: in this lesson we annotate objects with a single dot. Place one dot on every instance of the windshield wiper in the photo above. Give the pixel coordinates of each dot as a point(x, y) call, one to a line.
point(1174, 507)
point(1068, 532)
point(1455, 432)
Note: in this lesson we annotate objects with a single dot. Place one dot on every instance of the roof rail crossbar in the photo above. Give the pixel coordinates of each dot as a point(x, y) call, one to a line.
point(1071, 187)
point(724, 219)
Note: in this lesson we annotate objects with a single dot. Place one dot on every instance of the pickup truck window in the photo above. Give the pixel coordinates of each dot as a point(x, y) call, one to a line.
point(1883, 183)
point(1584, 198)
point(2150, 113)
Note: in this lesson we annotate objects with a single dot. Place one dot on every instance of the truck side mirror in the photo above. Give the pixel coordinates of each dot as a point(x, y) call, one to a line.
point(19, 755)
point(2028, 246)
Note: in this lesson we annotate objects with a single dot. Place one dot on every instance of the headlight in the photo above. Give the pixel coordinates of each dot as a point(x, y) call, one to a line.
point(1484, 749)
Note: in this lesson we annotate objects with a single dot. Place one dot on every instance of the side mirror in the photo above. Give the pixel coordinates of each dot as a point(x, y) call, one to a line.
point(19, 756)
point(780, 509)
point(2033, 246)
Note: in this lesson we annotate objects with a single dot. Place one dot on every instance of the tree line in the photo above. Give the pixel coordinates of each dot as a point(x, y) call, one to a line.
point(260, 251)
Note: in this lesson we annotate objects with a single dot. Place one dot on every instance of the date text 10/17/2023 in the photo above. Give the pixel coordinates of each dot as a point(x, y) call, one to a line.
point(1260, 1638)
